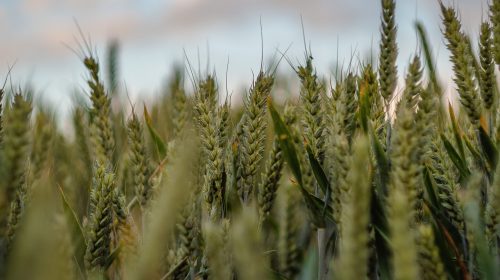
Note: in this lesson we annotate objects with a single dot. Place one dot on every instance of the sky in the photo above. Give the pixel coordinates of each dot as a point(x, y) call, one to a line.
point(38, 36)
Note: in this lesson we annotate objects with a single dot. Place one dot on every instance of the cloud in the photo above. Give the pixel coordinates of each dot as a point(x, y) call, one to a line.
point(39, 26)
point(46, 23)
point(197, 15)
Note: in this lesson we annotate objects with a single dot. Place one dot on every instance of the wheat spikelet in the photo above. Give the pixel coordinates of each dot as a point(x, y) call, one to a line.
point(495, 20)
point(487, 70)
point(252, 141)
point(289, 247)
point(139, 160)
point(463, 64)
point(209, 124)
point(16, 145)
point(492, 211)
point(101, 125)
point(101, 220)
point(15, 159)
point(311, 93)
point(368, 85)
point(429, 260)
point(180, 106)
point(126, 236)
point(413, 89)
point(388, 50)
point(426, 121)
point(446, 188)
point(270, 179)
point(340, 158)
point(188, 235)
point(405, 172)
point(402, 240)
point(41, 145)
point(81, 139)
point(354, 251)
point(348, 106)
point(272, 174)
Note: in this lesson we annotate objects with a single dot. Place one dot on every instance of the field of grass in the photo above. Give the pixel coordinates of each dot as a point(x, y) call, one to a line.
point(348, 181)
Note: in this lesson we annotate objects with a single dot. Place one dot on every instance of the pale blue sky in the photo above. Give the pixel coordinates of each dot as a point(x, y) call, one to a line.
point(153, 35)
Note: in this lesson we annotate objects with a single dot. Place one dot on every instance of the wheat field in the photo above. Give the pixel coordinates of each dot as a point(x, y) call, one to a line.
point(353, 179)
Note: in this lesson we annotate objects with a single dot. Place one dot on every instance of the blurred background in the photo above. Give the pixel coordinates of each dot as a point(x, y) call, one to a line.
point(153, 35)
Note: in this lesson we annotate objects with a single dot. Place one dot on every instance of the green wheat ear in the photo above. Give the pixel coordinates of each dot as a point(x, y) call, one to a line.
point(125, 229)
point(180, 104)
point(341, 126)
point(354, 251)
point(210, 125)
point(101, 220)
point(140, 162)
point(339, 159)
point(428, 111)
point(463, 64)
point(270, 179)
point(252, 140)
point(348, 105)
point(81, 138)
point(223, 119)
point(15, 158)
point(388, 50)
point(112, 69)
point(188, 234)
point(273, 171)
point(369, 85)
point(290, 251)
point(402, 240)
point(101, 126)
point(413, 88)
point(42, 144)
point(311, 94)
point(405, 171)
point(495, 20)
point(16, 145)
point(429, 259)
point(487, 71)
point(492, 211)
